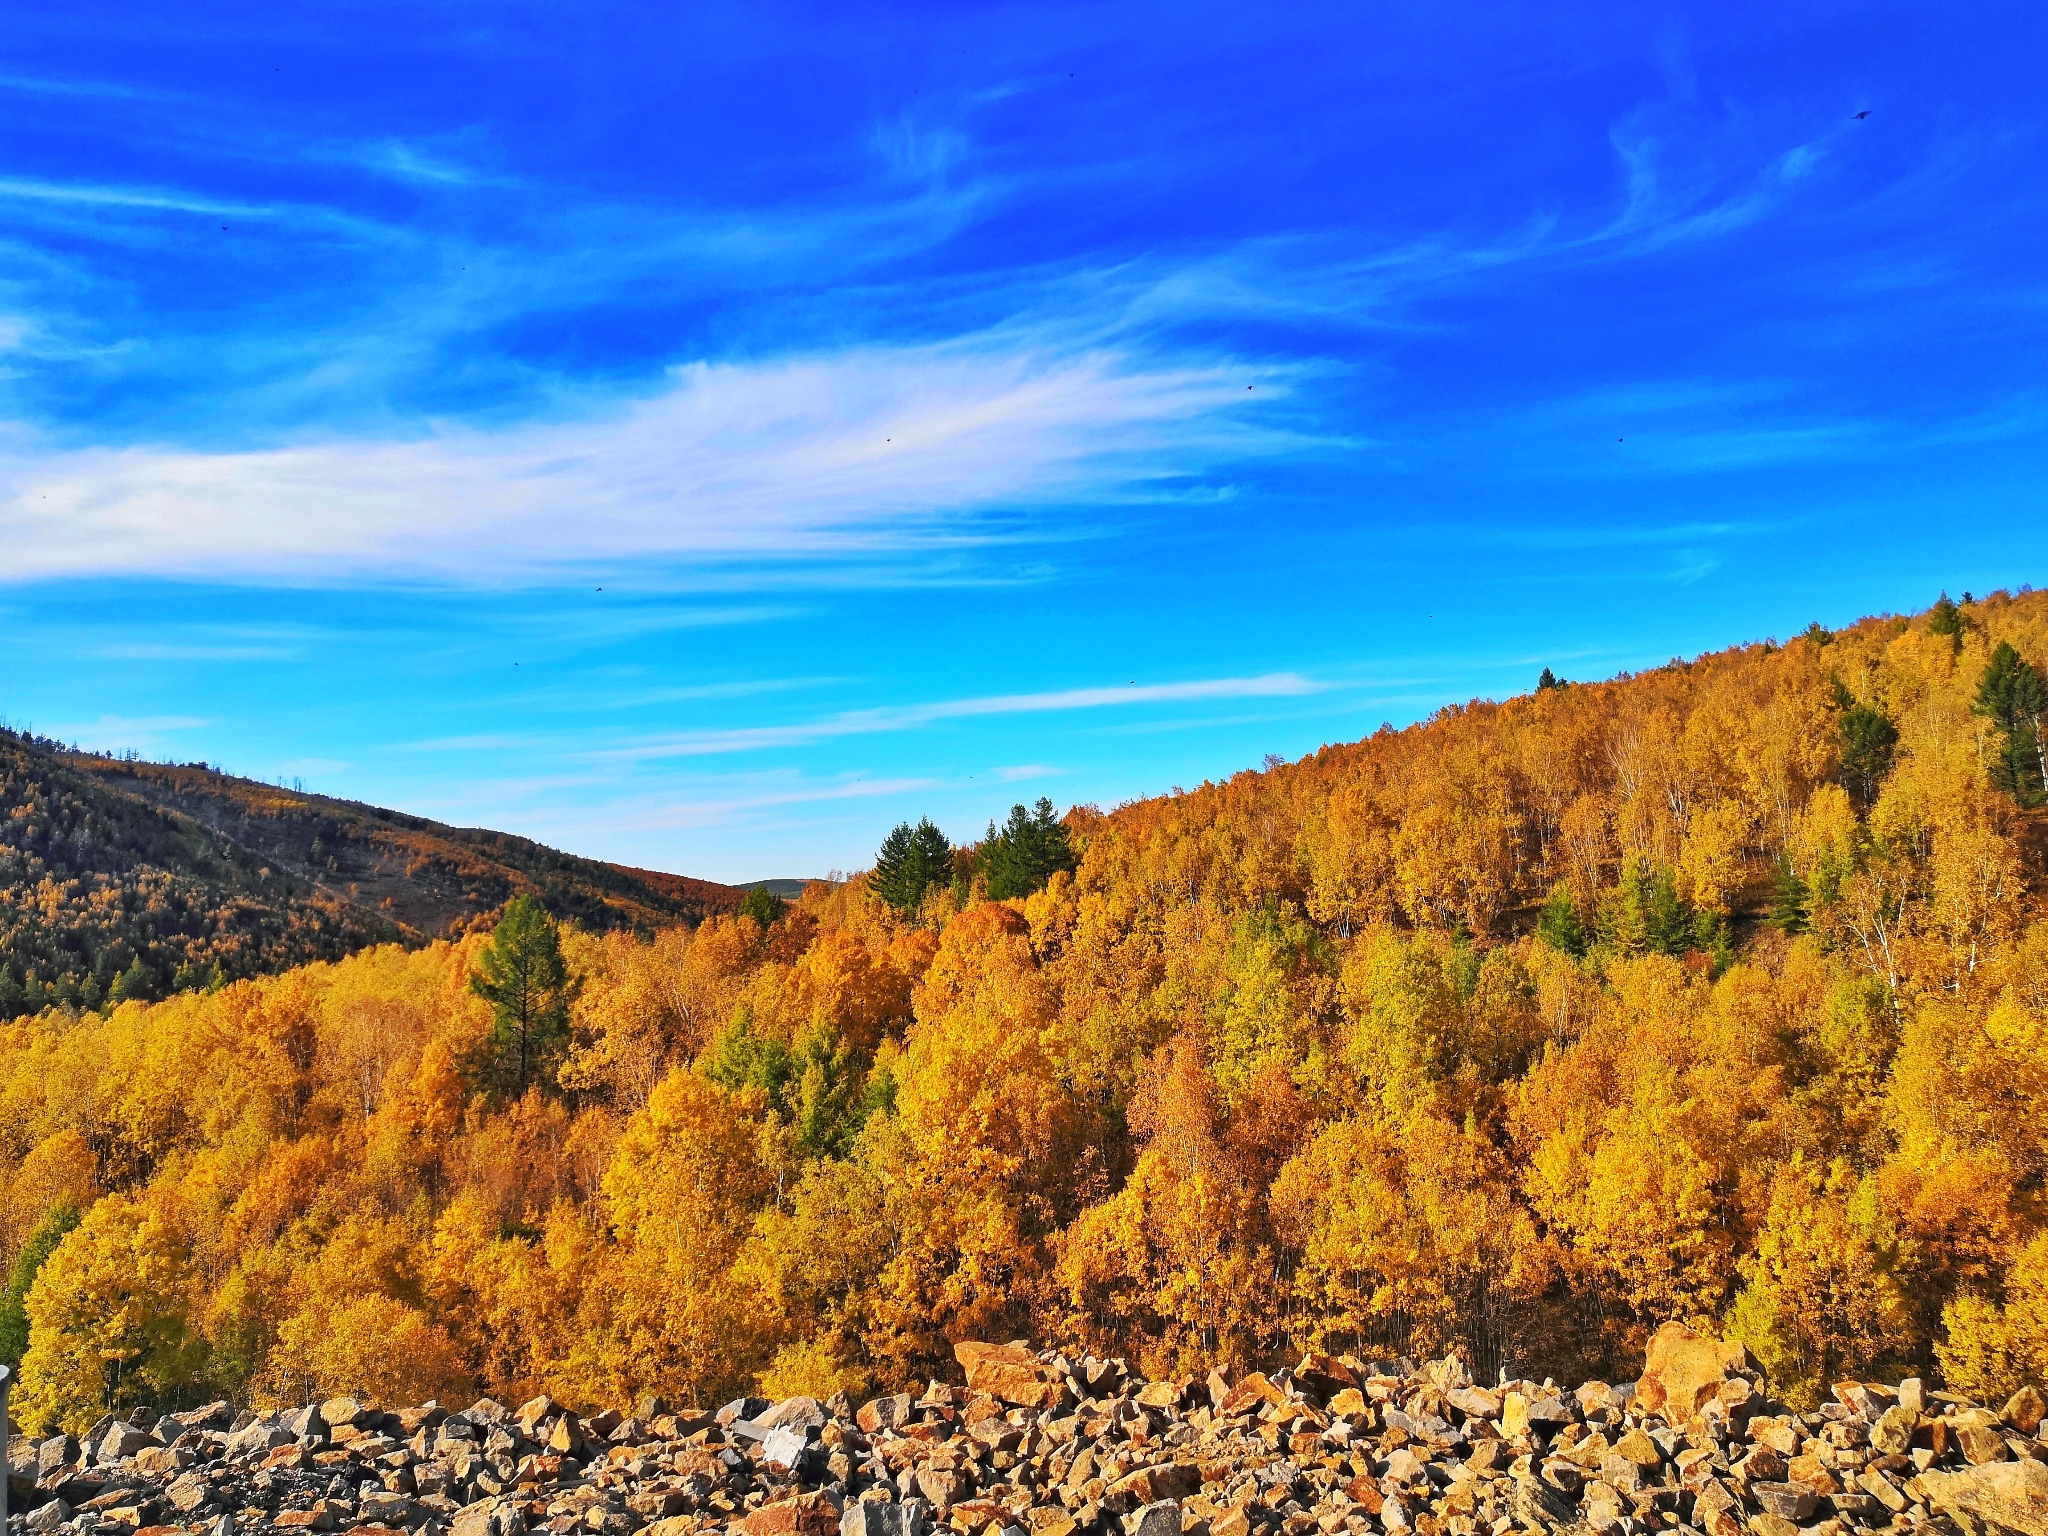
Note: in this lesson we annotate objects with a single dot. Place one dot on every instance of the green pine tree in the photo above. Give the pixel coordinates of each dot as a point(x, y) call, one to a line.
point(910, 862)
point(1667, 918)
point(740, 1056)
point(1558, 923)
point(1868, 740)
point(1644, 914)
point(763, 906)
point(1945, 618)
point(135, 982)
point(42, 1242)
point(819, 1086)
point(1791, 901)
point(524, 978)
point(1024, 855)
point(2013, 697)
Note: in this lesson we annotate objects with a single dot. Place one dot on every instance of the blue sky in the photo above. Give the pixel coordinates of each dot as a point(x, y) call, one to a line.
point(703, 436)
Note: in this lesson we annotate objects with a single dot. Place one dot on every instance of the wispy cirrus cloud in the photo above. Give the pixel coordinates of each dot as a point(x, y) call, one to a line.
point(891, 719)
point(872, 448)
point(910, 717)
point(875, 449)
point(756, 801)
point(106, 195)
point(58, 85)
point(152, 651)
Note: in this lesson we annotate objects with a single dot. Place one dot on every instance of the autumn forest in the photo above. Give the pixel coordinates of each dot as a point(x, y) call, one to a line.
point(1715, 993)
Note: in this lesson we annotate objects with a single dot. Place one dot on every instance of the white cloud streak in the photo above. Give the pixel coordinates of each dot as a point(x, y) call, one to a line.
point(99, 196)
point(144, 651)
point(871, 449)
point(873, 722)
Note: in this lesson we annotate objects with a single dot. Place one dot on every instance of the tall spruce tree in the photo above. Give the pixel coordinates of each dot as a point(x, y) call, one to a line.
point(1558, 925)
point(763, 906)
point(910, 862)
point(2013, 696)
point(1022, 856)
point(1868, 739)
point(524, 978)
point(41, 1243)
point(1946, 619)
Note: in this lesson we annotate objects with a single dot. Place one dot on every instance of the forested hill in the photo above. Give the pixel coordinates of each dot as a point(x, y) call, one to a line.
point(122, 878)
point(1718, 993)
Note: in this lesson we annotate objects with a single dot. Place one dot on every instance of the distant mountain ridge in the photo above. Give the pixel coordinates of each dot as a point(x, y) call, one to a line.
point(120, 877)
point(788, 890)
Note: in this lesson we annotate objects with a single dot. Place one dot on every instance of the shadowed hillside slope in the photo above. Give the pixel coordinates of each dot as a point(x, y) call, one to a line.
point(121, 878)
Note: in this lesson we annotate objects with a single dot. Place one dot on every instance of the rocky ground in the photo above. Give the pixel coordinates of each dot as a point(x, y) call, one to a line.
point(1051, 1445)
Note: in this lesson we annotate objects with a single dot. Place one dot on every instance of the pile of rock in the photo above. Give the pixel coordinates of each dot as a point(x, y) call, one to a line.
point(1041, 1444)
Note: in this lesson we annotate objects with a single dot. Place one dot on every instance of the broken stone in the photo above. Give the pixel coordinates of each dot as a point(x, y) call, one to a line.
point(122, 1441)
point(1539, 1504)
point(1789, 1501)
point(1336, 1447)
point(57, 1452)
point(2024, 1411)
point(943, 1486)
point(808, 1514)
point(1160, 1484)
point(341, 1412)
point(1766, 1465)
point(1489, 1456)
point(1684, 1370)
point(1775, 1433)
point(785, 1449)
point(1249, 1395)
point(1514, 1415)
point(795, 1413)
point(189, 1492)
point(1813, 1472)
point(1007, 1371)
point(1473, 1402)
point(1892, 1434)
point(866, 1517)
point(1639, 1448)
point(884, 1413)
point(1881, 1489)
point(1977, 1433)
point(1715, 1510)
point(155, 1460)
point(2008, 1498)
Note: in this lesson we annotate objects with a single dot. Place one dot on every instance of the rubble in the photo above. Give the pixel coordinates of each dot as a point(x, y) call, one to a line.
point(1045, 1444)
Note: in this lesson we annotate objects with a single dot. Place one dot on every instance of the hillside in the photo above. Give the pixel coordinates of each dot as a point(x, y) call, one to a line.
point(123, 878)
point(1716, 994)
